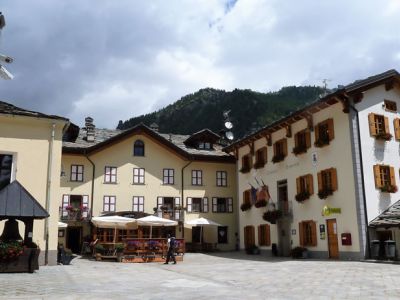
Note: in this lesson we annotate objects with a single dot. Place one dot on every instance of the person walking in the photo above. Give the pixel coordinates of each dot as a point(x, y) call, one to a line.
point(171, 249)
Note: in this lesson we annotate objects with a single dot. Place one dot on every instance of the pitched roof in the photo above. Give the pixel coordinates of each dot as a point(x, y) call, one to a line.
point(175, 142)
point(9, 109)
point(16, 201)
point(389, 218)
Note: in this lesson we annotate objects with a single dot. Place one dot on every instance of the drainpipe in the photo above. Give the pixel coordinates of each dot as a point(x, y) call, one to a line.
point(48, 188)
point(182, 189)
point(368, 246)
point(91, 196)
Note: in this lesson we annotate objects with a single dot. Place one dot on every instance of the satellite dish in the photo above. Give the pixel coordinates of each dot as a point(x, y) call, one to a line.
point(229, 135)
point(228, 125)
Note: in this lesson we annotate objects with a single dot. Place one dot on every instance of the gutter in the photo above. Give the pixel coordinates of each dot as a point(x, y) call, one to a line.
point(183, 189)
point(93, 176)
point(48, 188)
point(367, 246)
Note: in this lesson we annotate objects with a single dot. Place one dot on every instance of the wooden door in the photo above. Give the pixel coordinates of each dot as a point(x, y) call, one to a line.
point(249, 236)
point(333, 245)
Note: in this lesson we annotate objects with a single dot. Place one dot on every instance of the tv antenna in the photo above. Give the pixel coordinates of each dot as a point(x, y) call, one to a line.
point(4, 58)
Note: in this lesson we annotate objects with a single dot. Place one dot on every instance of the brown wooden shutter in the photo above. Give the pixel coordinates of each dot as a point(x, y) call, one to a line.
point(284, 145)
point(377, 176)
point(392, 177)
point(371, 122)
point(387, 130)
point(313, 233)
point(298, 185)
point(268, 235)
point(296, 137)
point(259, 235)
point(316, 132)
point(310, 184)
point(301, 234)
point(308, 138)
point(334, 179)
point(331, 130)
point(320, 187)
point(274, 148)
point(396, 125)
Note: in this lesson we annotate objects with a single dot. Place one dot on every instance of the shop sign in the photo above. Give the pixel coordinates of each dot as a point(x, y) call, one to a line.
point(327, 210)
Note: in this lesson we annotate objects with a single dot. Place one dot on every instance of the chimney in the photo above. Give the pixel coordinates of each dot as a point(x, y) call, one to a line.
point(89, 126)
point(154, 127)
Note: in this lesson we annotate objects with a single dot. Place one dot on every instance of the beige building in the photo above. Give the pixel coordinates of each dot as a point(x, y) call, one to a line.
point(141, 171)
point(324, 176)
point(30, 152)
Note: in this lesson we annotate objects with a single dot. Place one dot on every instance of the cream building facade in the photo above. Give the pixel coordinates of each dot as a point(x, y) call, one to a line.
point(320, 168)
point(142, 171)
point(30, 152)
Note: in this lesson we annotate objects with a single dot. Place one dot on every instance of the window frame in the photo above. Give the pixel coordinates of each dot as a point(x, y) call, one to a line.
point(139, 148)
point(280, 150)
point(324, 133)
point(109, 198)
point(390, 105)
point(139, 179)
point(264, 235)
point(222, 178)
point(261, 157)
point(308, 233)
point(168, 179)
point(139, 203)
point(197, 177)
point(247, 163)
point(109, 177)
point(10, 169)
point(77, 173)
point(216, 207)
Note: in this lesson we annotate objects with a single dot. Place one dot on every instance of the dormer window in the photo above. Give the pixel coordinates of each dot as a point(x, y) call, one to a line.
point(138, 148)
point(205, 145)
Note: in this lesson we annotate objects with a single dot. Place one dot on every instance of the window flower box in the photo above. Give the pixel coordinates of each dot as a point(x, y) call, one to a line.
point(260, 203)
point(245, 206)
point(383, 136)
point(299, 150)
point(259, 165)
point(323, 194)
point(272, 216)
point(277, 158)
point(389, 189)
point(245, 169)
point(301, 197)
point(18, 258)
point(322, 141)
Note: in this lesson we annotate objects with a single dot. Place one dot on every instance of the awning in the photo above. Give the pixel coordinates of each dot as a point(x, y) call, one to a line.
point(389, 218)
point(115, 222)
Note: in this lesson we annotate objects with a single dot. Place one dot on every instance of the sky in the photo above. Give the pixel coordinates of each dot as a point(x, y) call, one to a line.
point(113, 60)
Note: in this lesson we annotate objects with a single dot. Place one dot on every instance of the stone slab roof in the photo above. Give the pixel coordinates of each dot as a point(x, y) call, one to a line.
point(9, 109)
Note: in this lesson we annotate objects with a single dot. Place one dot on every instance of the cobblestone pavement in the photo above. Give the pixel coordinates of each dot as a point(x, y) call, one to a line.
point(202, 276)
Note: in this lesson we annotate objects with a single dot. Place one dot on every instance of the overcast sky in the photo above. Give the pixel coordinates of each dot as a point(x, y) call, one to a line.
point(114, 60)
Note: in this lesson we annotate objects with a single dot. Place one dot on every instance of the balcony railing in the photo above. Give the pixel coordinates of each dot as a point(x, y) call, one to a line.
point(75, 214)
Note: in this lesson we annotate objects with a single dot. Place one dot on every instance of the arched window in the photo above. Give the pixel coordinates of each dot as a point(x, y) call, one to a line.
point(138, 148)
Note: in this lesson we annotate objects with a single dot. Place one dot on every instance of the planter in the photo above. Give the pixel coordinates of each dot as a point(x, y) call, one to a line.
point(301, 197)
point(260, 203)
point(299, 150)
point(253, 249)
point(245, 170)
point(26, 262)
point(383, 136)
point(323, 194)
point(321, 142)
point(299, 252)
point(272, 216)
point(245, 206)
point(277, 158)
point(389, 189)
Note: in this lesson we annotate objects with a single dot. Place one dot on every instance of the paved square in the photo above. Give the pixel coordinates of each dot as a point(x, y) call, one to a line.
point(208, 276)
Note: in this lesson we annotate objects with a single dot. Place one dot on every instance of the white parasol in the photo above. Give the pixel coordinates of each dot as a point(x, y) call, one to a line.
point(115, 222)
point(202, 222)
point(155, 221)
point(62, 225)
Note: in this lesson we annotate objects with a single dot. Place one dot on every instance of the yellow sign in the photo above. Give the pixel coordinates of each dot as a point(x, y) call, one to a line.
point(327, 211)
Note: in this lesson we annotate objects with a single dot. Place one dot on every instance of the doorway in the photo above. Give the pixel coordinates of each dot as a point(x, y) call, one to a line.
point(196, 231)
point(284, 224)
point(333, 246)
point(74, 239)
point(249, 237)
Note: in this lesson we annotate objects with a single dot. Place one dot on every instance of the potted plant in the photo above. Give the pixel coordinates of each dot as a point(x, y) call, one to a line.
point(252, 249)
point(302, 196)
point(245, 206)
point(245, 169)
point(277, 158)
point(389, 188)
point(10, 250)
point(119, 249)
point(299, 252)
point(324, 193)
point(322, 141)
point(299, 149)
point(272, 215)
point(99, 250)
point(261, 203)
point(383, 136)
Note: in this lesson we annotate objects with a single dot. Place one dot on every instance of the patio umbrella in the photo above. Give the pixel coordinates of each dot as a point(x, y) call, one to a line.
point(155, 221)
point(115, 222)
point(62, 225)
point(202, 222)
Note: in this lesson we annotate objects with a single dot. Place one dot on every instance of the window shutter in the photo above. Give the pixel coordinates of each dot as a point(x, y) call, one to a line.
point(205, 205)
point(259, 235)
point(331, 131)
point(230, 205)
point(387, 130)
point(308, 138)
point(320, 187)
point(377, 176)
point(334, 179)
point(160, 201)
point(284, 145)
point(301, 234)
point(316, 132)
point(392, 177)
point(177, 211)
point(274, 148)
point(85, 203)
point(313, 233)
point(189, 205)
point(371, 122)
point(310, 184)
point(298, 185)
point(268, 235)
point(112, 203)
point(296, 137)
point(65, 203)
point(214, 204)
point(396, 123)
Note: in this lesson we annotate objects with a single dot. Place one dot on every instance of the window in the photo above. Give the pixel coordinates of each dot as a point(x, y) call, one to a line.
point(169, 207)
point(261, 158)
point(222, 205)
point(197, 177)
point(138, 148)
point(247, 163)
point(197, 205)
point(76, 173)
point(110, 175)
point(324, 133)
point(222, 178)
point(138, 203)
point(264, 235)
point(396, 125)
point(379, 127)
point(222, 234)
point(205, 145)
point(390, 105)
point(249, 236)
point(385, 178)
point(5, 170)
point(327, 182)
point(304, 187)
point(138, 176)
point(168, 176)
point(280, 150)
point(308, 233)
point(109, 203)
point(302, 141)
point(247, 196)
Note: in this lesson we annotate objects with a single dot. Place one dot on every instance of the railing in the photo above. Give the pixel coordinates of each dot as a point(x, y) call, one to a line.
point(155, 246)
point(74, 214)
